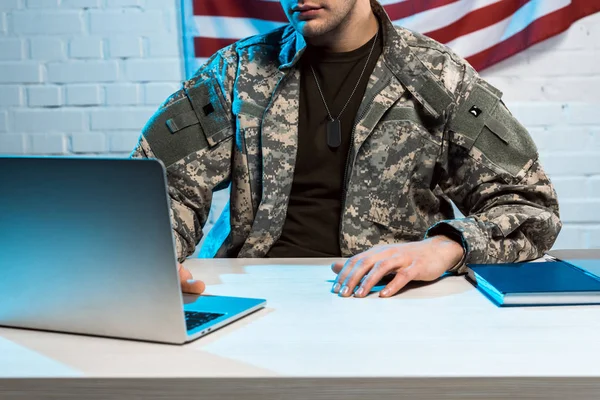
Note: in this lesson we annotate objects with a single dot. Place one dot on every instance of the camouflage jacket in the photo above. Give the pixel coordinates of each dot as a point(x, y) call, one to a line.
point(429, 130)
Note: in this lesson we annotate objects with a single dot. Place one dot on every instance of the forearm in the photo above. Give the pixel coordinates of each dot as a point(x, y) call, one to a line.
point(507, 223)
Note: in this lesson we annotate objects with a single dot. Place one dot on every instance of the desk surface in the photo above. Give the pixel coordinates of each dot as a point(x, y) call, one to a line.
point(444, 329)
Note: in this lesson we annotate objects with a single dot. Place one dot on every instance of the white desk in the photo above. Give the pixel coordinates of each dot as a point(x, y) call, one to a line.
point(311, 343)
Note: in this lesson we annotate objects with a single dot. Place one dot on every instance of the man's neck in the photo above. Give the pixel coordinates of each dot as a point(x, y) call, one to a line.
point(356, 30)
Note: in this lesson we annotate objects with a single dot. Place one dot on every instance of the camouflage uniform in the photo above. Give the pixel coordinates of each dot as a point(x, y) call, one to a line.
point(429, 129)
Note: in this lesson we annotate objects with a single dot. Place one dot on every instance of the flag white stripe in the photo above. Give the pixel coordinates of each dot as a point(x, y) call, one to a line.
point(483, 39)
point(440, 17)
point(232, 27)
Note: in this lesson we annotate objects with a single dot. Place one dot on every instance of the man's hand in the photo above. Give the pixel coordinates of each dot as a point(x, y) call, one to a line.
point(426, 260)
point(188, 284)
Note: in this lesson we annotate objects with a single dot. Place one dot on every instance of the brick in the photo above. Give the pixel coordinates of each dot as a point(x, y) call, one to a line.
point(512, 66)
point(595, 238)
point(123, 142)
point(562, 63)
point(43, 3)
point(49, 143)
point(20, 72)
point(46, 121)
point(3, 121)
point(82, 72)
point(580, 210)
point(572, 187)
point(11, 49)
point(594, 32)
point(158, 4)
point(595, 134)
point(47, 49)
point(570, 237)
point(9, 5)
point(121, 118)
point(584, 114)
point(81, 4)
point(83, 95)
point(122, 94)
point(594, 183)
point(572, 89)
point(563, 138)
point(44, 96)
point(157, 93)
point(153, 70)
point(125, 46)
point(561, 164)
point(47, 22)
point(123, 3)
point(86, 47)
point(126, 21)
point(516, 89)
point(546, 64)
point(89, 142)
point(3, 24)
point(10, 95)
point(12, 144)
point(163, 46)
point(535, 114)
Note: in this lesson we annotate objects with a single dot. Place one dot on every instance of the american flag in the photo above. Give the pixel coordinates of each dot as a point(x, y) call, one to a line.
point(482, 31)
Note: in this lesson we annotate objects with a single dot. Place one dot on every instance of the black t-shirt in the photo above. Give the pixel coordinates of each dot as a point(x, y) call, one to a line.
point(312, 224)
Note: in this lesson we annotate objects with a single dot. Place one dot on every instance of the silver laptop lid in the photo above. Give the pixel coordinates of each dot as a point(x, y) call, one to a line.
point(86, 246)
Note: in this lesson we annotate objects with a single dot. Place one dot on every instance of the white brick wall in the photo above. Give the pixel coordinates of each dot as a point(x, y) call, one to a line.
point(83, 76)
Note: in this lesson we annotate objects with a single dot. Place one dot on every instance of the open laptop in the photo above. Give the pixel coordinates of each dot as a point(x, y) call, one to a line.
point(86, 247)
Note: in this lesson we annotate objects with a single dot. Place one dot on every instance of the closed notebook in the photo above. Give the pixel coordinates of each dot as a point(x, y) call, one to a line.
point(536, 283)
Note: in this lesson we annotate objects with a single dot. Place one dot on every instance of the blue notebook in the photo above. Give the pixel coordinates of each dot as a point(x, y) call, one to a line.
point(536, 283)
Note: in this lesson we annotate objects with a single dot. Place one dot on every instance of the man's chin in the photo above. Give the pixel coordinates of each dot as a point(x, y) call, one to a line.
point(312, 28)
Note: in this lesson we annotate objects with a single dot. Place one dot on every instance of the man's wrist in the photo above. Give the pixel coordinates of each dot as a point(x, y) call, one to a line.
point(455, 248)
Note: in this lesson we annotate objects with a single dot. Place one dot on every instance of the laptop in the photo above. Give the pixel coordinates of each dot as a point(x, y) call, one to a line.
point(86, 247)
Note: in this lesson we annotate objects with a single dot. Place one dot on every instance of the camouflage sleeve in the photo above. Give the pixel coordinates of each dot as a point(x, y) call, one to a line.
point(491, 171)
point(191, 134)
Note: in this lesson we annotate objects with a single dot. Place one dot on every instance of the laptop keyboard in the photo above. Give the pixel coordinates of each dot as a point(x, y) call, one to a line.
point(194, 319)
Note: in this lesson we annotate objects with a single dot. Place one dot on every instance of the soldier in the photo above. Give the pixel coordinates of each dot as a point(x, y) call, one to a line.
point(341, 135)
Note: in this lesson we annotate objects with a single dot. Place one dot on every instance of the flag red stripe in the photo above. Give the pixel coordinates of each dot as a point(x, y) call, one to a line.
point(478, 19)
point(257, 9)
point(206, 47)
point(272, 11)
point(541, 29)
point(407, 8)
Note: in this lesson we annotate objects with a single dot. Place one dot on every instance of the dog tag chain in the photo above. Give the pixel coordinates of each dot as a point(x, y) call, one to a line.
point(334, 125)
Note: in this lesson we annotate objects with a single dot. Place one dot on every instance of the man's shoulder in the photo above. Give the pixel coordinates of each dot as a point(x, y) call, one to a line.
point(425, 46)
point(450, 68)
point(257, 49)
